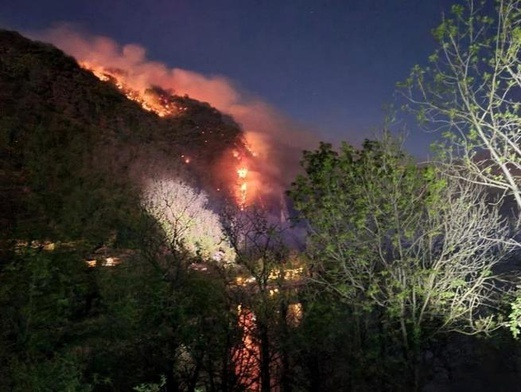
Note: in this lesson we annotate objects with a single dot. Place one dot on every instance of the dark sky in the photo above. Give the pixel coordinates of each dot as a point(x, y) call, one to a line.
point(329, 64)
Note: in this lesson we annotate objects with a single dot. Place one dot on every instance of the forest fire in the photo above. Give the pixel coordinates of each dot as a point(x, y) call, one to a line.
point(164, 107)
point(272, 143)
point(242, 194)
point(150, 102)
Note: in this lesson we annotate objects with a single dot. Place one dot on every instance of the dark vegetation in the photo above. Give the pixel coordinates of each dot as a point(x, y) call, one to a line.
point(375, 306)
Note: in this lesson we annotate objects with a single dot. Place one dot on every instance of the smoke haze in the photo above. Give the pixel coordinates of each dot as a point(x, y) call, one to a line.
point(277, 141)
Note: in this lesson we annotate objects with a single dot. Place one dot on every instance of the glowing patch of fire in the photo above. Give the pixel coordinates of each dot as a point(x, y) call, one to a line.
point(147, 101)
point(242, 174)
point(158, 106)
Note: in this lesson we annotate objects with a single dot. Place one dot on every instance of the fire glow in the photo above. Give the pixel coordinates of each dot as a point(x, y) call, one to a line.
point(149, 102)
point(277, 141)
point(243, 186)
point(162, 108)
point(242, 180)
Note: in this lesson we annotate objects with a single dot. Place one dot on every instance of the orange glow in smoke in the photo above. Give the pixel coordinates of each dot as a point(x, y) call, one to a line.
point(163, 107)
point(148, 101)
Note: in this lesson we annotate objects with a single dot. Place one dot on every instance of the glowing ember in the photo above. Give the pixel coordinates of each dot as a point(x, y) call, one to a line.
point(252, 152)
point(242, 172)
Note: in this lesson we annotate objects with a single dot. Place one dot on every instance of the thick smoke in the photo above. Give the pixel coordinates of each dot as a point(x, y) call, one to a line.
point(277, 141)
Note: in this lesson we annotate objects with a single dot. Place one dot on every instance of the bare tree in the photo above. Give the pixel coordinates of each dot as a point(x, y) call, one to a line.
point(471, 90)
point(186, 220)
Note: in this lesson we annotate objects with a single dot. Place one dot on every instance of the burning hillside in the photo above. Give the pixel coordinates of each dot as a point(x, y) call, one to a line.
point(154, 100)
point(233, 168)
point(262, 163)
point(75, 150)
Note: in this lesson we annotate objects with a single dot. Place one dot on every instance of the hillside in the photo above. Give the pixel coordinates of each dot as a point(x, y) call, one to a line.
point(89, 178)
point(74, 150)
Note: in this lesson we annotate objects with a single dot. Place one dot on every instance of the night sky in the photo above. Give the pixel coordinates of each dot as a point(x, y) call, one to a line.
point(330, 65)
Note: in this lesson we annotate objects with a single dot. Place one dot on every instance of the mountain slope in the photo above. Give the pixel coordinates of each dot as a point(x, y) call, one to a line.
point(74, 151)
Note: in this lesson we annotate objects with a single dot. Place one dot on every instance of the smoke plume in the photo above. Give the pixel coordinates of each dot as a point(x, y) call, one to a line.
point(276, 140)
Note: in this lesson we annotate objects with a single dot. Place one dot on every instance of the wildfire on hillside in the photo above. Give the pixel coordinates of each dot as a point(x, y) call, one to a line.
point(155, 103)
point(164, 107)
point(242, 174)
point(277, 140)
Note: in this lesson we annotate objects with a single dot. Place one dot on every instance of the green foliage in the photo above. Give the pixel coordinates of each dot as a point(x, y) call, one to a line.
point(470, 91)
point(401, 245)
point(41, 301)
point(514, 318)
point(364, 208)
point(151, 387)
point(61, 373)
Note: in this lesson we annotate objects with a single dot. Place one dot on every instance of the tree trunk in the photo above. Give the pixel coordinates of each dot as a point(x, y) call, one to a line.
point(264, 358)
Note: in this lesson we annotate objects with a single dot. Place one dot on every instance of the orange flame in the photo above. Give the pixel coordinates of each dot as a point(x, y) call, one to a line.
point(242, 172)
point(246, 355)
point(243, 194)
point(163, 107)
point(149, 102)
